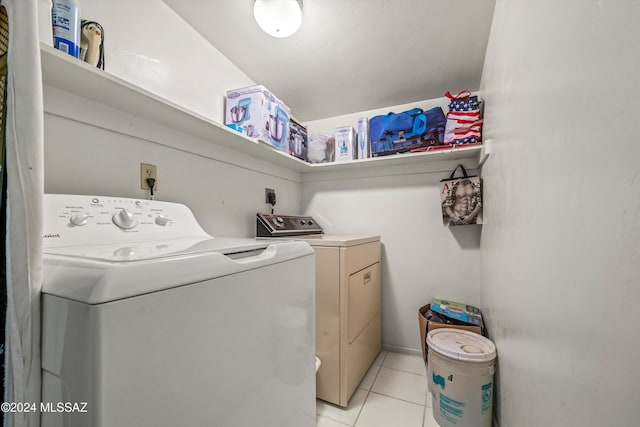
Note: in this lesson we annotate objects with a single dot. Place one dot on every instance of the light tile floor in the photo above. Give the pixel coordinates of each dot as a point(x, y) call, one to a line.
point(392, 393)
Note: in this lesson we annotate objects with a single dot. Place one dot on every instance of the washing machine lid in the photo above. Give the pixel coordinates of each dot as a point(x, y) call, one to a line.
point(106, 273)
point(150, 250)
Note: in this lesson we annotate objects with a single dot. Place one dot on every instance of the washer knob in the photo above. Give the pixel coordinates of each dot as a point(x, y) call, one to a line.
point(125, 252)
point(80, 220)
point(124, 219)
point(310, 222)
point(303, 222)
point(162, 220)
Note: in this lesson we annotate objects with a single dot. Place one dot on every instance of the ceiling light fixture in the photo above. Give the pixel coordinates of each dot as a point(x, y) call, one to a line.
point(278, 18)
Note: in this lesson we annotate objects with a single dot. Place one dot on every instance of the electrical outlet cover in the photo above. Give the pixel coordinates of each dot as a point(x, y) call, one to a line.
point(148, 170)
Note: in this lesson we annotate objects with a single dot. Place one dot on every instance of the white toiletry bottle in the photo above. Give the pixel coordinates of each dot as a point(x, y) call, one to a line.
point(65, 18)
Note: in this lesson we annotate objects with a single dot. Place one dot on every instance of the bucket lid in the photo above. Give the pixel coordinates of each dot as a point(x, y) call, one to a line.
point(461, 345)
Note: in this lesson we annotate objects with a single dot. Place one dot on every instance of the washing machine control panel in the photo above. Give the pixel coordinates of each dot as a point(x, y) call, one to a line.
point(272, 225)
point(71, 220)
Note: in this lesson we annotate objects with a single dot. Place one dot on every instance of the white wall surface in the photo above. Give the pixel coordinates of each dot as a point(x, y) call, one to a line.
point(149, 45)
point(561, 246)
point(421, 259)
point(93, 149)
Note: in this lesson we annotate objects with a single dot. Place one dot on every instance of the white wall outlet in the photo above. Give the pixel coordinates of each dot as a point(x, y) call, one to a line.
point(148, 171)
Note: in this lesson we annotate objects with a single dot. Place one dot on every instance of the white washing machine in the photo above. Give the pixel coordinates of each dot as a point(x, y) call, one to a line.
point(150, 322)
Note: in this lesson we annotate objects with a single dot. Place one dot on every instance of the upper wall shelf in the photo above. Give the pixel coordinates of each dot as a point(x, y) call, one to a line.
point(64, 72)
point(67, 73)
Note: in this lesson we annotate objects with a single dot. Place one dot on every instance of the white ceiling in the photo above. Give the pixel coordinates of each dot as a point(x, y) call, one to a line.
point(352, 55)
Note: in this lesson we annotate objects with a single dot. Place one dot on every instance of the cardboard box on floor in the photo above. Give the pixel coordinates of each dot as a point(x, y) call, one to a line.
point(427, 325)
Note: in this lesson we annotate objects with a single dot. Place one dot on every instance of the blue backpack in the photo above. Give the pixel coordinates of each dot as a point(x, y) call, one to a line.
point(396, 133)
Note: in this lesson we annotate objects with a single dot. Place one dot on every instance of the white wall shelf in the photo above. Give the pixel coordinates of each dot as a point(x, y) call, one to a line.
point(64, 72)
point(442, 154)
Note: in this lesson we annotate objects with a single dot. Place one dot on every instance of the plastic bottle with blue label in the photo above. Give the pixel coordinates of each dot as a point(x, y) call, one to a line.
point(65, 18)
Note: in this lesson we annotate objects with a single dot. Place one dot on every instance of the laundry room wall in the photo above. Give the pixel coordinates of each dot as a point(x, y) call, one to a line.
point(94, 149)
point(561, 244)
point(421, 259)
point(149, 45)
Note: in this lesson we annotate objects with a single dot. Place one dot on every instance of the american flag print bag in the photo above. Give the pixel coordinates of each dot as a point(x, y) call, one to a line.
point(461, 199)
point(464, 125)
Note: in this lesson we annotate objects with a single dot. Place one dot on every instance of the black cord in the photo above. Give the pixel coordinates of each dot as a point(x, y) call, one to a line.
point(151, 182)
point(272, 200)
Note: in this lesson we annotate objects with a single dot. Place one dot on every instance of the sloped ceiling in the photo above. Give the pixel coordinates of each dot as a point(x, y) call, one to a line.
point(352, 55)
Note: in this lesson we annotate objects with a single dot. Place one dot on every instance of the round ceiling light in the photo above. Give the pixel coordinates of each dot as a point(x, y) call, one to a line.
point(278, 18)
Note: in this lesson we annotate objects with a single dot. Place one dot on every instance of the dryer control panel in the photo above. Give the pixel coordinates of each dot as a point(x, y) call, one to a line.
point(271, 225)
point(72, 220)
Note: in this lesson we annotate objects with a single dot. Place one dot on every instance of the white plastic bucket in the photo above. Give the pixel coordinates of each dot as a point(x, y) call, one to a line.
point(461, 368)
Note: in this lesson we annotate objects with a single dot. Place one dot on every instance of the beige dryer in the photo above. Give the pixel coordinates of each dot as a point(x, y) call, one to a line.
point(348, 312)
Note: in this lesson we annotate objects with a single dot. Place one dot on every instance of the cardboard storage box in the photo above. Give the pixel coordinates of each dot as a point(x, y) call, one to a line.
point(457, 311)
point(256, 112)
point(427, 325)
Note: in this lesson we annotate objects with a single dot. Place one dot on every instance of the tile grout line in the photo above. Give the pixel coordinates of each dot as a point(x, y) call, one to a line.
point(369, 390)
point(329, 418)
point(424, 406)
point(402, 370)
point(397, 369)
point(406, 372)
point(361, 408)
point(376, 376)
point(386, 353)
point(397, 398)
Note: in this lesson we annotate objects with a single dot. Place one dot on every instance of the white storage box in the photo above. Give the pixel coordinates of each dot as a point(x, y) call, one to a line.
point(345, 144)
point(255, 111)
